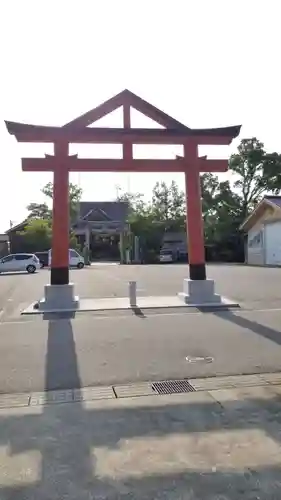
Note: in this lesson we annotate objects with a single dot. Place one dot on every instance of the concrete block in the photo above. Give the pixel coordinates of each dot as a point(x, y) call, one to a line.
point(200, 292)
point(51, 397)
point(14, 400)
point(133, 390)
point(59, 297)
point(92, 393)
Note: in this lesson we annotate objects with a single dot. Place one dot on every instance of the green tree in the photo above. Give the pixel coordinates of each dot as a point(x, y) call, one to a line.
point(75, 194)
point(73, 242)
point(168, 202)
point(149, 220)
point(272, 171)
point(37, 235)
point(39, 211)
point(225, 206)
point(142, 224)
point(140, 215)
point(249, 165)
point(135, 201)
point(222, 217)
point(209, 190)
point(42, 211)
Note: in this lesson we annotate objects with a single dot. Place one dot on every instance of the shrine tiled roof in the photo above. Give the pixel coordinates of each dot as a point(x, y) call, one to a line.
point(103, 211)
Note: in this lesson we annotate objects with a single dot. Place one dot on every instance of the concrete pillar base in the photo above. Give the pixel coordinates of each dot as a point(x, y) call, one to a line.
point(59, 298)
point(200, 292)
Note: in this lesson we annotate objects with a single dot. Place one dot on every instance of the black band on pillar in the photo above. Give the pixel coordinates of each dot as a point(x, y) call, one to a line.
point(59, 276)
point(197, 271)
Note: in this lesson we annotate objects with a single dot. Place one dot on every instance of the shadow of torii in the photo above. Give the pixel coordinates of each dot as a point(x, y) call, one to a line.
point(67, 437)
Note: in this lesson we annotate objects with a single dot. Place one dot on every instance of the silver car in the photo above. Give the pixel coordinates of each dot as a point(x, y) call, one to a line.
point(166, 256)
point(19, 262)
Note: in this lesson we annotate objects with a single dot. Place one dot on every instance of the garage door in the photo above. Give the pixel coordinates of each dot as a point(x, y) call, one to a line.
point(273, 243)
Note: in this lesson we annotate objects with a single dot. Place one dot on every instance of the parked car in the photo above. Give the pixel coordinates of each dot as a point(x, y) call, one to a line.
point(43, 258)
point(19, 262)
point(75, 259)
point(166, 256)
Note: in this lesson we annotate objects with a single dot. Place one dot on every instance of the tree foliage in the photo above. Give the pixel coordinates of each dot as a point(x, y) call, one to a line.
point(42, 211)
point(225, 204)
point(39, 211)
point(75, 194)
point(37, 235)
point(168, 202)
point(248, 165)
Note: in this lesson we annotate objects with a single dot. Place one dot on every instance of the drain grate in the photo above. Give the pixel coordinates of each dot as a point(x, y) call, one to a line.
point(173, 387)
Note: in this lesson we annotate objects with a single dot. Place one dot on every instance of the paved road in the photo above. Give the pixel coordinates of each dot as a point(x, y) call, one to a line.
point(114, 348)
point(255, 287)
point(252, 287)
point(37, 355)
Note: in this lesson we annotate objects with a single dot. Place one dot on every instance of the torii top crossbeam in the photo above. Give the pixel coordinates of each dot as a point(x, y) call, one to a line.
point(77, 131)
point(38, 133)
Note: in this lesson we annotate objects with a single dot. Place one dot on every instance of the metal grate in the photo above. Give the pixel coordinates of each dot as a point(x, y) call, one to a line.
point(173, 387)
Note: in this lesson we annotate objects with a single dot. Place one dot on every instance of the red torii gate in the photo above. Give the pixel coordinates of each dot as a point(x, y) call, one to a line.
point(77, 131)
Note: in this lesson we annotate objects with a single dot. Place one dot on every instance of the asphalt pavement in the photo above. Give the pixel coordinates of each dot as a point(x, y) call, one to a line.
point(38, 354)
point(252, 286)
point(120, 347)
point(84, 443)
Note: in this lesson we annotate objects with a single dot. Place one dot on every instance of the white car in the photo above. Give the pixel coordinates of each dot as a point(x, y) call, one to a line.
point(166, 256)
point(75, 259)
point(19, 262)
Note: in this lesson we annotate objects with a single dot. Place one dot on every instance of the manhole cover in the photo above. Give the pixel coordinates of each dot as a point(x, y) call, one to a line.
point(172, 387)
point(199, 359)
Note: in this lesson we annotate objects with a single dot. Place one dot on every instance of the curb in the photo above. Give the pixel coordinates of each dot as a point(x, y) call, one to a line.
point(140, 389)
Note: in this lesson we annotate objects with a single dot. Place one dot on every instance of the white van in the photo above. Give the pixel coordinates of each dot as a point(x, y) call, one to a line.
point(75, 259)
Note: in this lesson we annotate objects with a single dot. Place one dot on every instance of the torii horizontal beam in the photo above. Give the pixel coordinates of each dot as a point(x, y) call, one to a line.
point(75, 164)
point(33, 133)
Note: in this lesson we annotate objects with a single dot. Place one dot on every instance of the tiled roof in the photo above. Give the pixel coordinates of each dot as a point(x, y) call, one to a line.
point(112, 210)
point(17, 227)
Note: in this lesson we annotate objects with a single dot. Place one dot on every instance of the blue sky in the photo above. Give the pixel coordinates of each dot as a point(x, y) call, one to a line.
point(207, 63)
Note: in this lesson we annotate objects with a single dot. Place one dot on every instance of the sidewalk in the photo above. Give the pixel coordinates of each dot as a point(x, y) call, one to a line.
point(220, 444)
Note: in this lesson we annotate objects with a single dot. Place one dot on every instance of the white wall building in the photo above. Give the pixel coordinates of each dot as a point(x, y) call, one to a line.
point(263, 233)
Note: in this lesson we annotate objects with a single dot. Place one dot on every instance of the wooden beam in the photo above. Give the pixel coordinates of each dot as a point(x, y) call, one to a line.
point(206, 165)
point(125, 98)
point(50, 163)
point(96, 113)
point(213, 140)
point(152, 112)
point(127, 146)
point(43, 134)
point(210, 165)
point(114, 136)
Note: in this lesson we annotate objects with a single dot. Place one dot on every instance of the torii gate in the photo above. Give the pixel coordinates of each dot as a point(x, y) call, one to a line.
point(77, 131)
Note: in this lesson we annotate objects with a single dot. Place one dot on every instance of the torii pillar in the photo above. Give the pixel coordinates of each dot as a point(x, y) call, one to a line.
point(60, 228)
point(197, 290)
